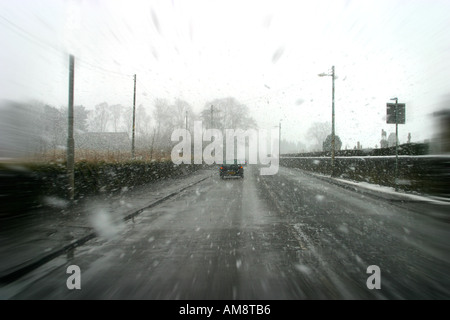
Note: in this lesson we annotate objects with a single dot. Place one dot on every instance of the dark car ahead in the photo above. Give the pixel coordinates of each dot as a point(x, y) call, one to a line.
point(231, 169)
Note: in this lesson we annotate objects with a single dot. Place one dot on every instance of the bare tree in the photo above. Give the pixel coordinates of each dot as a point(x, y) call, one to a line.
point(116, 115)
point(54, 123)
point(163, 120)
point(49, 123)
point(182, 110)
point(143, 128)
point(169, 117)
point(142, 121)
point(127, 120)
point(317, 133)
point(100, 118)
point(228, 113)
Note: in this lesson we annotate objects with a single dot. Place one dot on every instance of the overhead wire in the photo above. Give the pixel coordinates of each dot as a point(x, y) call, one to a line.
point(82, 62)
point(25, 34)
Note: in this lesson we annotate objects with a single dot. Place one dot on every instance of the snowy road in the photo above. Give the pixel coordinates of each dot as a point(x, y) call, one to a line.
point(289, 236)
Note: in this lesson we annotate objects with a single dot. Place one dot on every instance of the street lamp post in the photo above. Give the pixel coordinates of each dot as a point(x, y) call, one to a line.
point(279, 139)
point(332, 120)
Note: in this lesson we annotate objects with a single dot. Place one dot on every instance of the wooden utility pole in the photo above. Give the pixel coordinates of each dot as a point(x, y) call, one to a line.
point(70, 140)
point(279, 140)
point(134, 118)
point(333, 138)
point(212, 117)
point(333, 135)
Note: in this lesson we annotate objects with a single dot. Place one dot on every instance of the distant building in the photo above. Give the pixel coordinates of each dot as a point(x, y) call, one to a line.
point(441, 140)
point(391, 140)
point(103, 141)
point(384, 142)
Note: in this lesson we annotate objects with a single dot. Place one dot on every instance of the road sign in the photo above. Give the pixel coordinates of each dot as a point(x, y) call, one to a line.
point(390, 114)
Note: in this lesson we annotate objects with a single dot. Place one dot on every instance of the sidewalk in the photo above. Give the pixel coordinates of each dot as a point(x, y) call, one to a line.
point(387, 193)
point(56, 228)
point(440, 206)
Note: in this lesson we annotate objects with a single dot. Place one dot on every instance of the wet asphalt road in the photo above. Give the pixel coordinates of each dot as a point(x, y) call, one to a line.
point(289, 236)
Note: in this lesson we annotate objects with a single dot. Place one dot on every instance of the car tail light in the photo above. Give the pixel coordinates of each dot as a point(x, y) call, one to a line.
point(221, 168)
point(241, 167)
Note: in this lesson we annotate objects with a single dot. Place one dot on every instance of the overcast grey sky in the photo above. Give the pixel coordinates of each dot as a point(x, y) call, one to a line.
point(267, 54)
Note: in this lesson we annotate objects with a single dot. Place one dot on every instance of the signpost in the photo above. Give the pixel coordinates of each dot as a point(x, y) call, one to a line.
point(391, 113)
point(395, 113)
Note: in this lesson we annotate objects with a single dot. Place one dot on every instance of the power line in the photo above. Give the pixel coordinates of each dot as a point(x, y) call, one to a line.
point(45, 45)
point(81, 62)
point(142, 84)
point(105, 71)
point(27, 35)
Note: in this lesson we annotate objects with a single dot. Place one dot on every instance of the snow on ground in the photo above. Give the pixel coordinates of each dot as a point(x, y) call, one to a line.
point(384, 189)
point(446, 155)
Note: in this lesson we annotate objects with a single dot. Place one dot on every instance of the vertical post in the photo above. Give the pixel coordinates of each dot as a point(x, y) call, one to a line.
point(186, 127)
point(70, 140)
point(396, 144)
point(332, 126)
point(134, 119)
point(279, 141)
point(212, 124)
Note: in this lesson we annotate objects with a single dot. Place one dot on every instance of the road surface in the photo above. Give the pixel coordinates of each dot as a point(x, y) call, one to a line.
point(288, 236)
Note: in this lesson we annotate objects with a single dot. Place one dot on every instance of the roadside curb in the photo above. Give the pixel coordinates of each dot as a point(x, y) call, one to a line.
point(39, 261)
point(392, 197)
point(134, 213)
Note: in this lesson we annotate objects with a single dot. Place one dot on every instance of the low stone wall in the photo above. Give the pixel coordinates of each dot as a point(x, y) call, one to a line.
point(22, 186)
point(422, 174)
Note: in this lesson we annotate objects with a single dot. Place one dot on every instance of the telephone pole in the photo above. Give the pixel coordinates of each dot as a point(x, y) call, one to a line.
point(333, 138)
point(70, 140)
point(212, 124)
point(134, 119)
point(333, 135)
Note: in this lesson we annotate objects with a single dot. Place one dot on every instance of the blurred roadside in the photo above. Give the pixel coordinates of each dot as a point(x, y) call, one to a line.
point(441, 140)
point(55, 227)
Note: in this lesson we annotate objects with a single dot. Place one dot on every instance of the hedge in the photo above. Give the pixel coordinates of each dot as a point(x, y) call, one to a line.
point(22, 186)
